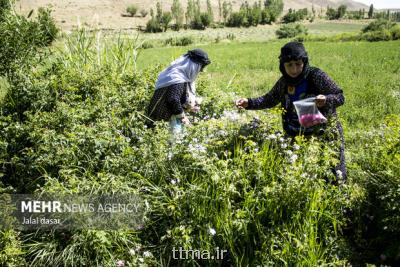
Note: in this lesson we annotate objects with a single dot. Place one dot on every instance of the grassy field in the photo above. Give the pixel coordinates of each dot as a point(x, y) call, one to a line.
point(261, 33)
point(352, 65)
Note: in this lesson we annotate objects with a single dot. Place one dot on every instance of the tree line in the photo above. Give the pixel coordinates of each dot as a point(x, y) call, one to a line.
point(260, 12)
point(194, 18)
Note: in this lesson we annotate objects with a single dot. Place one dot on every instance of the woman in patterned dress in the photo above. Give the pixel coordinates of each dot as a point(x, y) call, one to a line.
point(300, 81)
point(176, 91)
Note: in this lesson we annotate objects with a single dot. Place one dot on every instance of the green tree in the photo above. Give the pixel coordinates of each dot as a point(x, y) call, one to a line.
point(159, 12)
point(210, 12)
point(189, 11)
point(341, 11)
point(206, 20)
point(219, 10)
point(177, 14)
point(371, 11)
point(226, 10)
point(165, 20)
point(331, 13)
point(255, 14)
point(275, 8)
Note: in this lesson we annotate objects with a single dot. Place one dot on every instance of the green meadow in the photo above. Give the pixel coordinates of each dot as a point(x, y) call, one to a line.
point(371, 92)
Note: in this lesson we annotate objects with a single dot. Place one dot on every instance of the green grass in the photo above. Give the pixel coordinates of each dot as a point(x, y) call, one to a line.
point(367, 72)
point(3, 88)
point(261, 33)
point(328, 27)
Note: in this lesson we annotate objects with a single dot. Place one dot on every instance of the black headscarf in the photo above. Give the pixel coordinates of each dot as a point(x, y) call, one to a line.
point(294, 51)
point(199, 56)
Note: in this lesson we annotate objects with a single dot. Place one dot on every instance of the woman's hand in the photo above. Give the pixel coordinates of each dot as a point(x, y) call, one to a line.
point(242, 103)
point(320, 100)
point(186, 121)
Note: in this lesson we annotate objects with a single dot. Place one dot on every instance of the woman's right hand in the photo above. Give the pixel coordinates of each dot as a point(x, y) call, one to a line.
point(186, 121)
point(242, 103)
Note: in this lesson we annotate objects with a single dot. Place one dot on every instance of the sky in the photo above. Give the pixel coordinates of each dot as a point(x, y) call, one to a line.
point(381, 3)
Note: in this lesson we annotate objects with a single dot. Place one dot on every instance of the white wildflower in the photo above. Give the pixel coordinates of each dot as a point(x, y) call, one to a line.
point(283, 146)
point(288, 152)
point(281, 140)
point(147, 254)
point(293, 158)
point(222, 133)
point(272, 136)
point(212, 231)
point(231, 115)
point(173, 181)
point(197, 148)
point(132, 252)
point(296, 147)
point(339, 174)
point(120, 263)
point(169, 156)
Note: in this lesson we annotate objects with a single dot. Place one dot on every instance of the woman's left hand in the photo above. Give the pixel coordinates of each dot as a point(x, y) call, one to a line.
point(320, 100)
point(186, 121)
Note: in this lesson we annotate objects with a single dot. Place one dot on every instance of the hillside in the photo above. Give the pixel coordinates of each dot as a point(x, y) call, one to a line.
point(108, 13)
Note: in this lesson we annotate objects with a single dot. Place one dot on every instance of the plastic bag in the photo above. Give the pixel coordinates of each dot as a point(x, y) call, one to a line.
point(175, 124)
point(308, 112)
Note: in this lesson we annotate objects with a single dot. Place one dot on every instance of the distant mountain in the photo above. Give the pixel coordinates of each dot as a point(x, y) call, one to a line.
point(108, 13)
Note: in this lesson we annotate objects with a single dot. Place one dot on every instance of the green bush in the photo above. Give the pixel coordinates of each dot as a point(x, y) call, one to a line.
point(205, 19)
point(395, 31)
point(378, 25)
point(11, 250)
point(374, 36)
point(153, 26)
point(132, 9)
point(197, 23)
point(19, 41)
point(237, 19)
point(291, 30)
point(5, 7)
point(293, 15)
point(183, 41)
point(146, 45)
point(47, 26)
point(21, 38)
